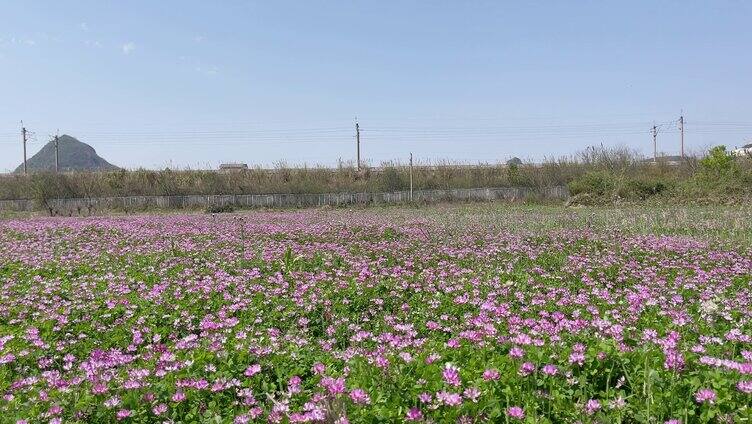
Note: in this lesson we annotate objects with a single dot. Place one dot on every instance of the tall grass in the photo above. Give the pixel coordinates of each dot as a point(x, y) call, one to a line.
point(597, 173)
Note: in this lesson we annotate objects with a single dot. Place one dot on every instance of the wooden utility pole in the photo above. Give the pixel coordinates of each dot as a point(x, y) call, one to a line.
point(57, 161)
point(357, 144)
point(23, 137)
point(681, 129)
point(411, 176)
point(655, 144)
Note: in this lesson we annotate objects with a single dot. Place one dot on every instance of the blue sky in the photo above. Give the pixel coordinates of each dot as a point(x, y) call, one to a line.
point(197, 83)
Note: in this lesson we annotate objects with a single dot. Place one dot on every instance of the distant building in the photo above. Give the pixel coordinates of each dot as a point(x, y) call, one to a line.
point(665, 159)
point(230, 167)
point(745, 150)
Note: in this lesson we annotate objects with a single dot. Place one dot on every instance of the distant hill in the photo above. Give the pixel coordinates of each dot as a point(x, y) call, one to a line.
point(73, 156)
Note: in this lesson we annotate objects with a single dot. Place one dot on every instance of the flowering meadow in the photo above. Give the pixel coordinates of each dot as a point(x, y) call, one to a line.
point(365, 317)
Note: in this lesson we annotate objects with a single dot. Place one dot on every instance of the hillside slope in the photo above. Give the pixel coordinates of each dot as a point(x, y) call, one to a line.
point(74, 156)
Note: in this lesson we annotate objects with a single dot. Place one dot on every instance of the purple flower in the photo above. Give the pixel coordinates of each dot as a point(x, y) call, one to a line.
point(705, 396)
point(516, 412)
point(242, 419)
point(112, 402)
point(179, 396)
point(414, 414)
point(745, 386)
point(293, 385)
point(159, 409)
point(318, 368)
point(490, 374)
point(425, 397)
point(592, 406)
point(516, 352)
point(472, 394)
point(430, 359)
point(527, 368)
point(618, 403)
point(451, 375)
point(123, 414)
point(335, 386)
point(577, 358)
point(449, 398)
point(252, 370)
point(360, 397)
point(550, 369)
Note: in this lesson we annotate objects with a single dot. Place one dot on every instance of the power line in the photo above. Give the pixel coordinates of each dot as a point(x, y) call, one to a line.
point(357, 142)
point(681, 124)
point(57, 156)
point(23, 137)
point(654, 131)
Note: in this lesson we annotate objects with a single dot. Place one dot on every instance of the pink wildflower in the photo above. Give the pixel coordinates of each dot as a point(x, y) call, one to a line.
point(745, 386)
point(252, 370)
point(592, 406)
point(516, 352)
point(360, 397)
point(449, 398)
point(159, 409)
point(242, 419)
point(705, 396)
point(451, 375)
point(179, 396)
point(414, 414)
point(318, 368)
point(550, 369)
point(516, 412)
point(490, 374)
point(472, 394)
point(333, 385)
point(527, 368)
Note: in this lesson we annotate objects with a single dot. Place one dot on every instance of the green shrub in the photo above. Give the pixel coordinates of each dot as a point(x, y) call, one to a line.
point(390, 180)
point(643, 188)
point(597, 183)
point(720, 175)
point(718, 164)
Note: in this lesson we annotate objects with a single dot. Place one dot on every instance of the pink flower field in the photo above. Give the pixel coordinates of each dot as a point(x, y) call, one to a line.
point(365, 317)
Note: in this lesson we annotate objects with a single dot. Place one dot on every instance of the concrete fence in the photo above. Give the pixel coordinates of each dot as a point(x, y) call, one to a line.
point(87, 206)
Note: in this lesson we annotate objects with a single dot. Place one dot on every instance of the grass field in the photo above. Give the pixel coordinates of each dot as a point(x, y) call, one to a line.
point(456, 313)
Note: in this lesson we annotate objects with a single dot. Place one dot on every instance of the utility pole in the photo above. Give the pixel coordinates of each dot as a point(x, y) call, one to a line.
point(655, 144)
point(23, 137)
point(357, 142)
point(681, 128)
point(57, 161)
point(411, 176)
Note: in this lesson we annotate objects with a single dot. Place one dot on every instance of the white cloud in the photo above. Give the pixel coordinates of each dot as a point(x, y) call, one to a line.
point(128, 47)
point(93, 43)
point(84, 27)
point(199, 38)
